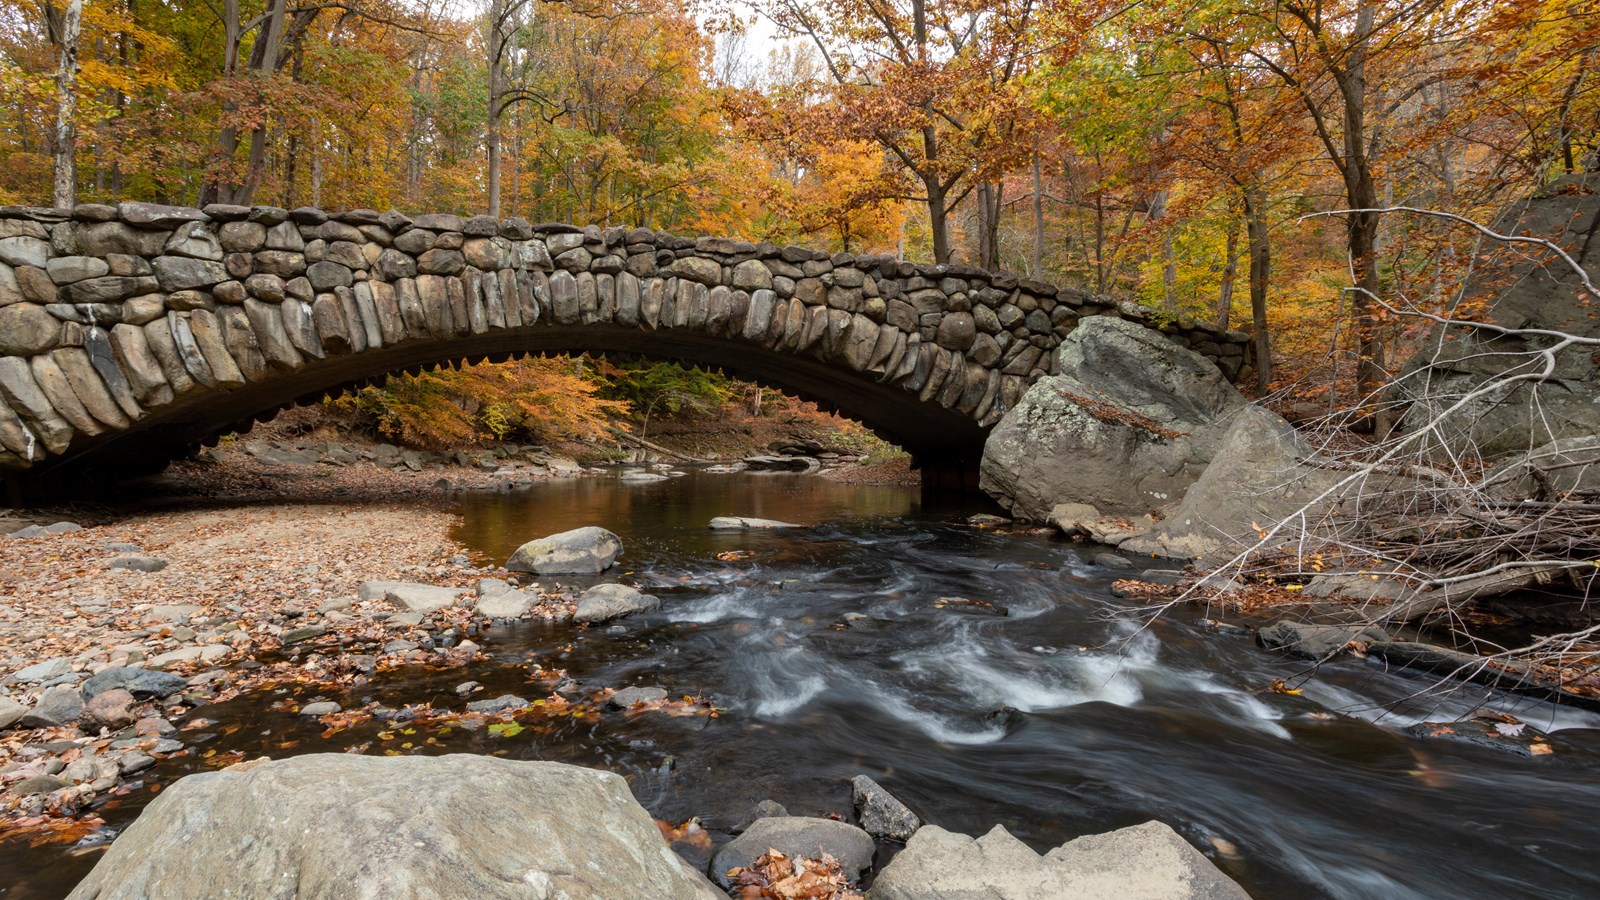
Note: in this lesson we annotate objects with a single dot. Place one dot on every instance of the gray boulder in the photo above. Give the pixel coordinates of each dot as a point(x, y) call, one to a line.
point(498, 600)
point(1559, 467)
point(1129, 424)
point(59, 705)
point(1143, 862)
point(880, 813)
point(1257, 478)
point(605, 602)
point(1315, 641)
point(337, 825)
point(1520, 289)
point(795, 836)
point(581, 551)
point(142, 683)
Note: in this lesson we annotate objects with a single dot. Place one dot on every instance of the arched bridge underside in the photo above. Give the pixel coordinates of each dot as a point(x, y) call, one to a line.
point(130, 334)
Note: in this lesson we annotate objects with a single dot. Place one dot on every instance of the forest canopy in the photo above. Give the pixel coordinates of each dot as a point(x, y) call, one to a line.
point(1167, 152)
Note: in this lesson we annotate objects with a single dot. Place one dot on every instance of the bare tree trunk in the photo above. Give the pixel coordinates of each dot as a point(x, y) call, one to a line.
point(65, 27)
point(1036, 269)
point(1361, 192)
point(990, 196)
point(1260, 252)
point(498, 39)
point(938, 219)
point(1230, 274)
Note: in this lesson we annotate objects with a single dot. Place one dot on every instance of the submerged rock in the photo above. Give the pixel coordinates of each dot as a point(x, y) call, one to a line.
point(605, 602)
point(766, 809)
point(745, 523)
point(880, 813)
point(629, 696)
point(581, 551)
point(796, 836)
point(1143, 862)
point(338, 825)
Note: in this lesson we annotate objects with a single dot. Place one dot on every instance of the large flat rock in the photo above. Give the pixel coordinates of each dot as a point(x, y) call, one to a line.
point(355, 827)
point(1143, 862)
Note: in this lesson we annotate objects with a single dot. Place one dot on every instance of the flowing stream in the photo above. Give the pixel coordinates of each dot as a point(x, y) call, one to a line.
point(1073, 714)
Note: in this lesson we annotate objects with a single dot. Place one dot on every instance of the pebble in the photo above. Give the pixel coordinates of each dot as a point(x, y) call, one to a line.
point(321, 708)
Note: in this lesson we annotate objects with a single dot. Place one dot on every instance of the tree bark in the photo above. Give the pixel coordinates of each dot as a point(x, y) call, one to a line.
point(1036, 269)
point(990, 196)
point(65, 30)
point(1260, 252)
point(1230, 274)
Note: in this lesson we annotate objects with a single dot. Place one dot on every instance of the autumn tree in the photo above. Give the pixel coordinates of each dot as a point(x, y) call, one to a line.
point(928, 80)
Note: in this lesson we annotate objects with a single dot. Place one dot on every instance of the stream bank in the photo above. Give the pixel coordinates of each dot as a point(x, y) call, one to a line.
point(982, 675)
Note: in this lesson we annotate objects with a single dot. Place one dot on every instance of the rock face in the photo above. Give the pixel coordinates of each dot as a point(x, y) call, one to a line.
point(796, 836)
point(1256, 477)
point(1521, 288)
point(605, 602)
point(336, 825)
point(1129, 424)
point(1567, 465)
point(1143, 862)
point(581, 551)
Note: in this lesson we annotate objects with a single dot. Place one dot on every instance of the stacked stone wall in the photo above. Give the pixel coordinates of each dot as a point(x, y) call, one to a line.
point(109, 315)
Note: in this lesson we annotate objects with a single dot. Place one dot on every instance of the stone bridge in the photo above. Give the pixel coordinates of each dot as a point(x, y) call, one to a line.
point(130, 335)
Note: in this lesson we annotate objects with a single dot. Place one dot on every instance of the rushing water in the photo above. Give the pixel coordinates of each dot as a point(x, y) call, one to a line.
point(1071, 715)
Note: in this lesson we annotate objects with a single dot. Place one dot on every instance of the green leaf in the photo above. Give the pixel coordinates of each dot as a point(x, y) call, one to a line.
point(505, 729)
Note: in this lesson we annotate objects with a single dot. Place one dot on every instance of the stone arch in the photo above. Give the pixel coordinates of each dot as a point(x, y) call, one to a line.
point(129, 333)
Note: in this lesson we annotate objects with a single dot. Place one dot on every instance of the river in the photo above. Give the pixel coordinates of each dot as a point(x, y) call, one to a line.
point(1073, 713)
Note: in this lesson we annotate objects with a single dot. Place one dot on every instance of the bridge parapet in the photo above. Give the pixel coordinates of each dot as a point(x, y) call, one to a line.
point(148, 318)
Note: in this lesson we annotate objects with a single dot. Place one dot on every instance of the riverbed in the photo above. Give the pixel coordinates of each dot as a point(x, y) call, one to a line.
point(982, 676)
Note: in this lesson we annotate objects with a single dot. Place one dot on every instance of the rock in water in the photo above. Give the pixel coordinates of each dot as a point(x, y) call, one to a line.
point(1144, 862)
point(1315, 641)
point(581, 551)
point(605, 602)
point(880, 813)
point(1129, 424)
point(627, 697)
point(744, 523)
point(336, 825)
point(503, 603)
point(796, 836)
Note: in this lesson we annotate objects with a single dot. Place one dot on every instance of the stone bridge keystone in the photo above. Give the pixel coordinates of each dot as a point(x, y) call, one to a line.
point(129, 334)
